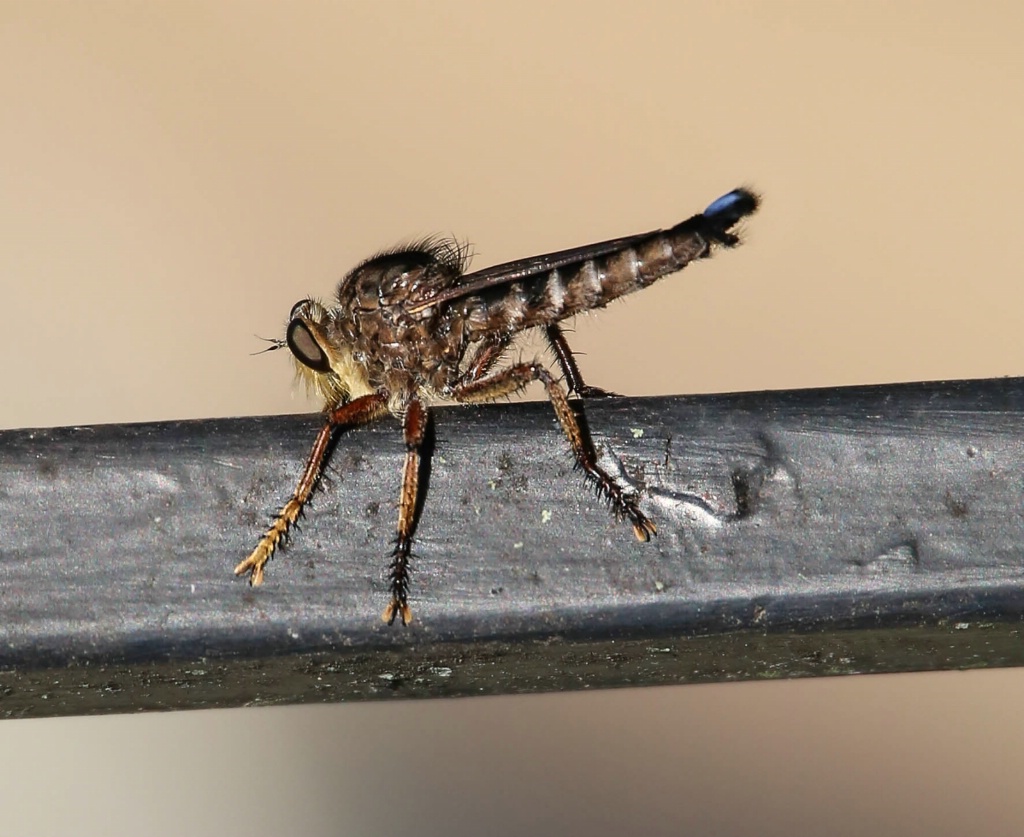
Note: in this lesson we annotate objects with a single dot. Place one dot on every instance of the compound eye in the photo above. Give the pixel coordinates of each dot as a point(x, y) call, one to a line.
point(295, 308)
point(306, 348)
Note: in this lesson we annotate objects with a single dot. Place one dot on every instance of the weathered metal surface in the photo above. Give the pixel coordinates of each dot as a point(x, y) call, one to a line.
point(799, 533)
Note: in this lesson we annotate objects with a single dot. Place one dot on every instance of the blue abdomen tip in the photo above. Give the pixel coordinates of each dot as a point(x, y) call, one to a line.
point(735, 204)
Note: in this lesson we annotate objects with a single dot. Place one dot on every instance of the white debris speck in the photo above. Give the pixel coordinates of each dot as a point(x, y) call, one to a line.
point(228, 464)
point(517, 545)
point(638, 432)
point(545, 516)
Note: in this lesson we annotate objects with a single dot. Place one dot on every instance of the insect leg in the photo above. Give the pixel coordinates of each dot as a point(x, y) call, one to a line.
point(486, 356)
point(415, 425)
point(559, 345)
point(514, 378)
point(360, 411)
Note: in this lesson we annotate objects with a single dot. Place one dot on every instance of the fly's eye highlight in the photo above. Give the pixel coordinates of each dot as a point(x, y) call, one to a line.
point(306, 347)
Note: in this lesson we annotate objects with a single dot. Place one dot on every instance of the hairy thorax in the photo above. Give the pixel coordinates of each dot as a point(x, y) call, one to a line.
point(401, 352)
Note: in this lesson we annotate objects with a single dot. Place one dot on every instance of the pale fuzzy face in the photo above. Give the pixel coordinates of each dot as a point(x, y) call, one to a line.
point(324, 363)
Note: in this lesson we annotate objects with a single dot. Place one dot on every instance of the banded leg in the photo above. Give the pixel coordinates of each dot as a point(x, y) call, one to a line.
point(511, 380)
point(564, 355)
point(360, 411)
point(415, 426)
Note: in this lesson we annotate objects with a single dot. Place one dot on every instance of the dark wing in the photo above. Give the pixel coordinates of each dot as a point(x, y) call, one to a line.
point(503, 274)
point(691, 239)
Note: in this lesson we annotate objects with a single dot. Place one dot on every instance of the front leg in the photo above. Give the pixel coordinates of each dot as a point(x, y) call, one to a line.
point(417, 419)
point(360, 411)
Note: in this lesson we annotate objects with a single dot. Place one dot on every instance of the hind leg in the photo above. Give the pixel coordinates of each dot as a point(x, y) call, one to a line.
point(513, 379)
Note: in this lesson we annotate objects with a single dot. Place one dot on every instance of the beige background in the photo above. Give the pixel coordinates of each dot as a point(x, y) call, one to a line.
point(175, 175)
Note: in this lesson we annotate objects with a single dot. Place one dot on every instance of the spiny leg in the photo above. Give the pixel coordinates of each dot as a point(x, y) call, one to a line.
point(566, 359)
point(485, 357)
point(415, 425)
point(515, 378)
point(360, 411)
point(489, 353)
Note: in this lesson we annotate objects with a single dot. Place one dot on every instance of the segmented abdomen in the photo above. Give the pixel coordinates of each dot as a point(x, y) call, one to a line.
point(592, 282)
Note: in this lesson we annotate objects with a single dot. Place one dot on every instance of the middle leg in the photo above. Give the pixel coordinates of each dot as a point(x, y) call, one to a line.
point(415, 424)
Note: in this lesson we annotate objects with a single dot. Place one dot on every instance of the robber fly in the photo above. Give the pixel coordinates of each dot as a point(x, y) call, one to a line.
point(409, 327)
